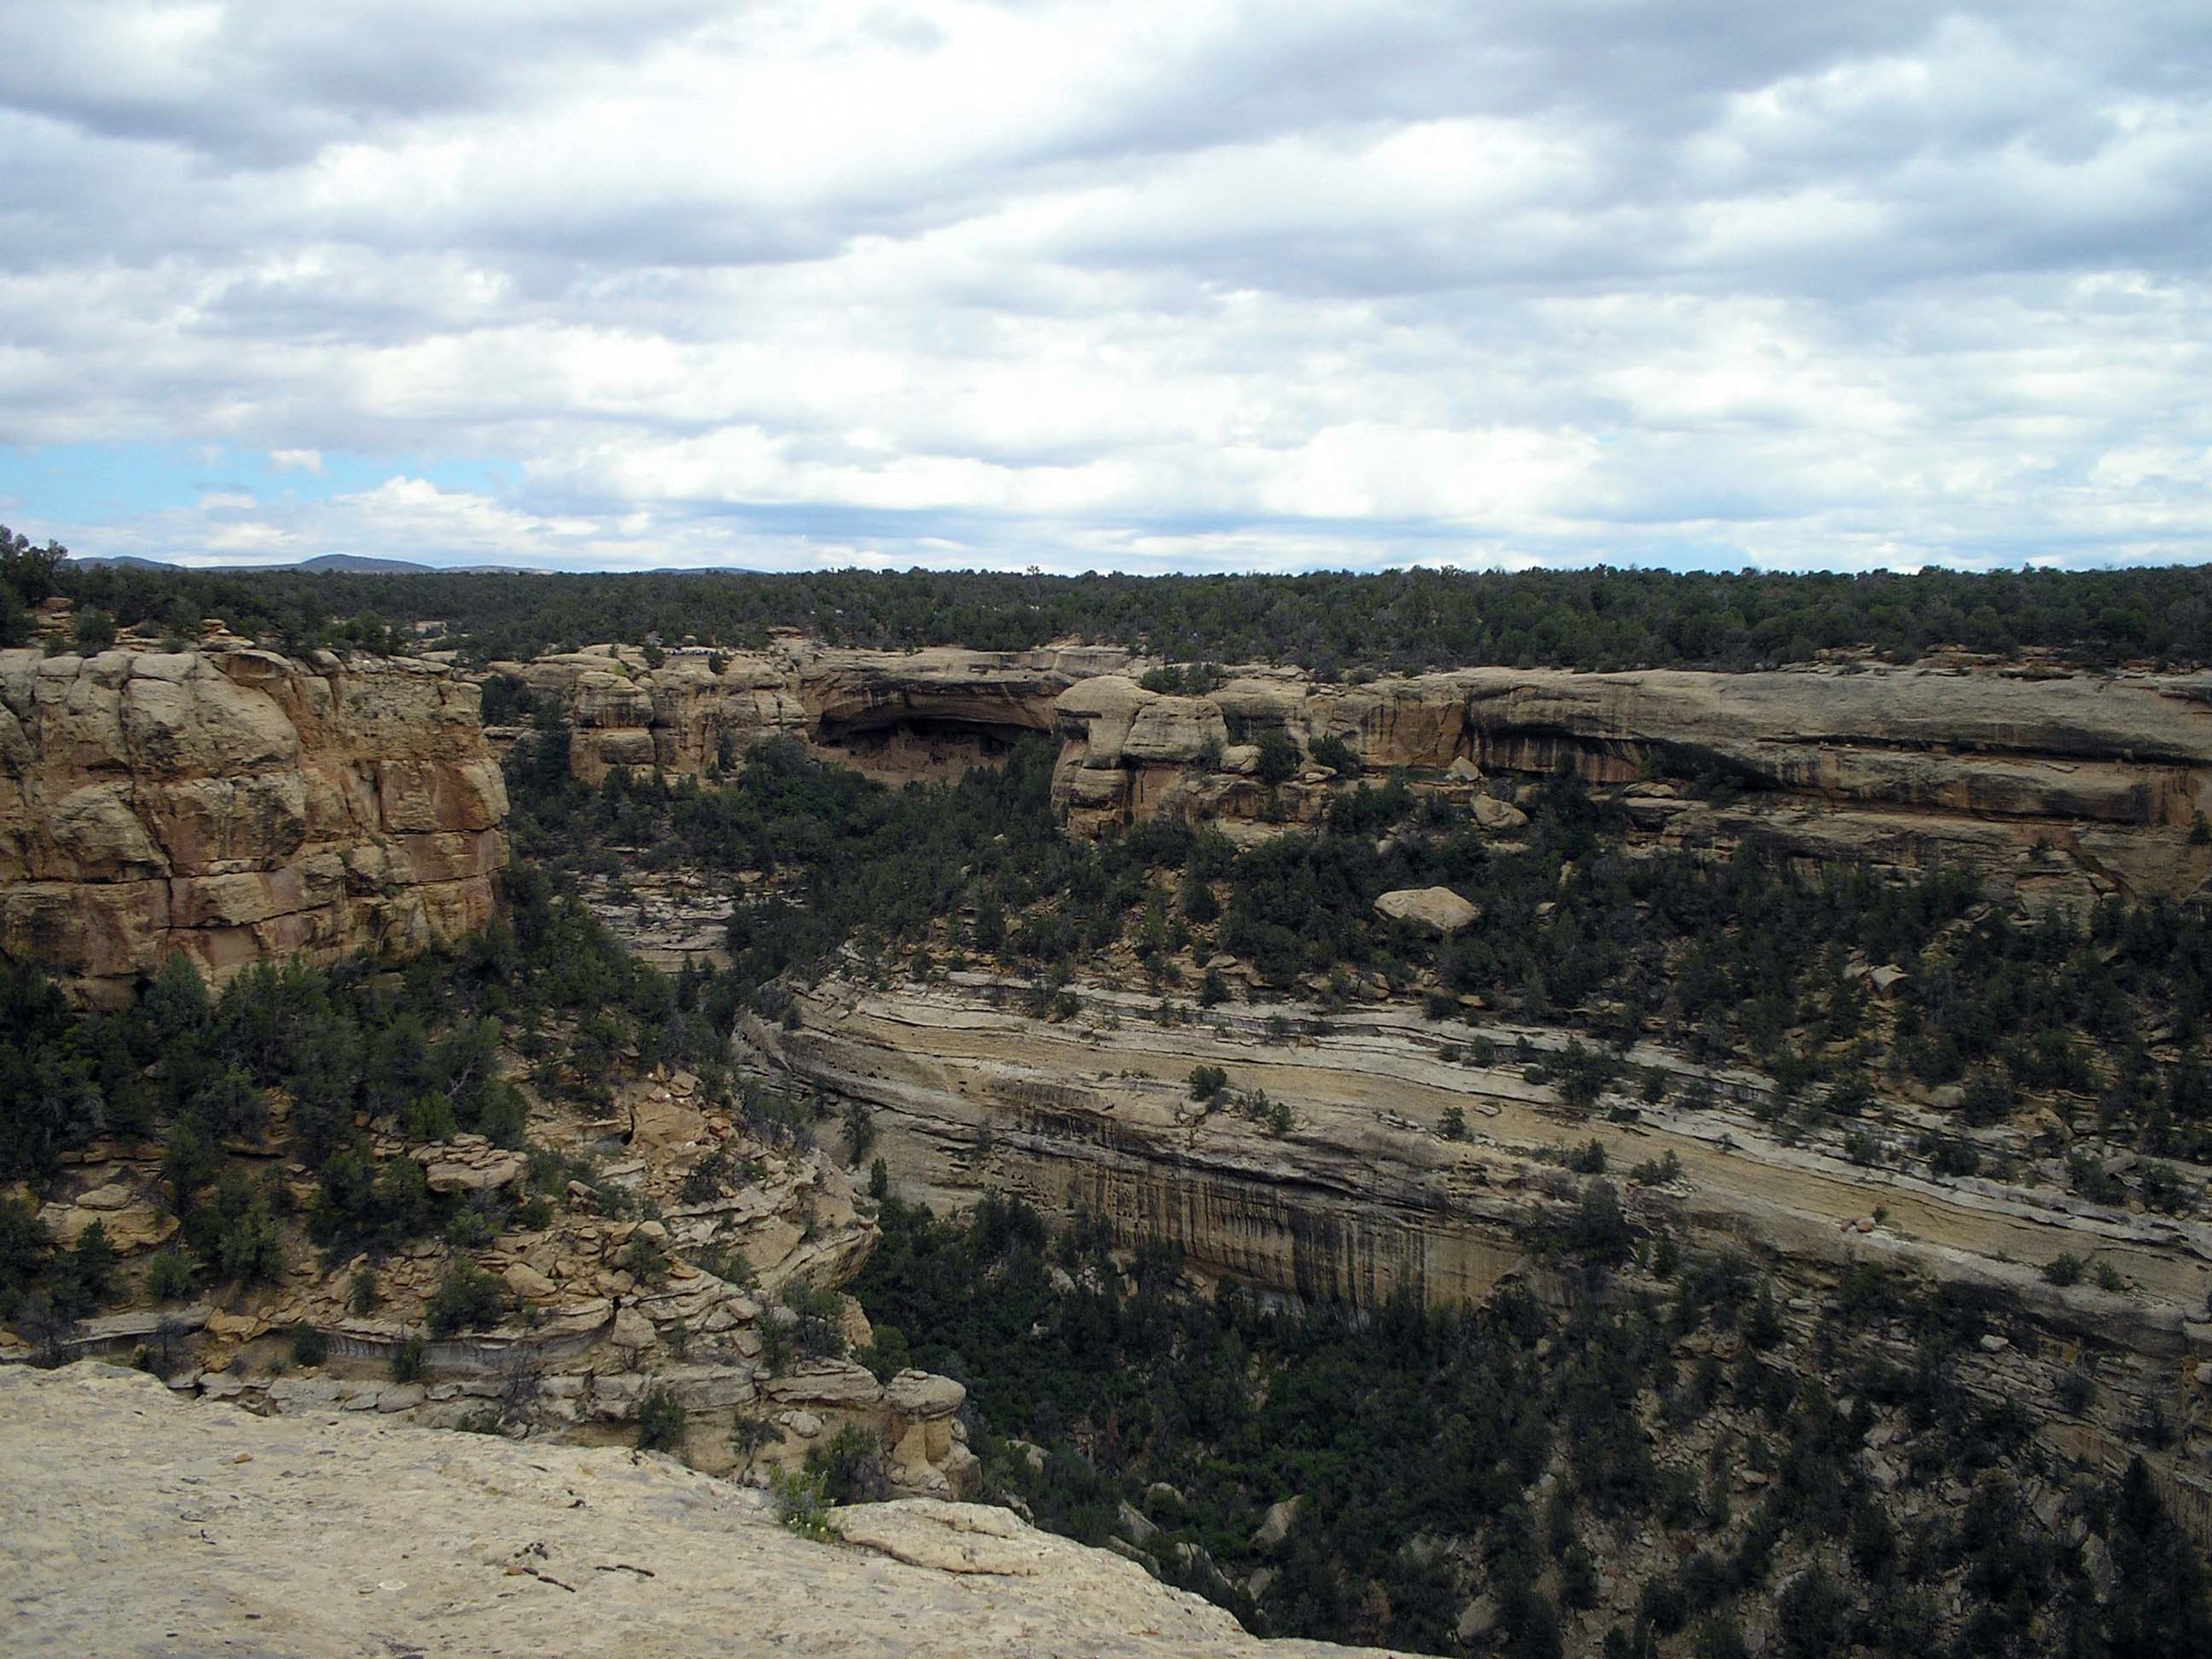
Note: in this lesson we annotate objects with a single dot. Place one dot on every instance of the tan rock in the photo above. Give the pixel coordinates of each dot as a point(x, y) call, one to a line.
point(1436, 908)
point(835, 1382)
point(920, 1394)
point(211, 802)
point(1497, 816)
point(407, 1533)
point(532, 1286)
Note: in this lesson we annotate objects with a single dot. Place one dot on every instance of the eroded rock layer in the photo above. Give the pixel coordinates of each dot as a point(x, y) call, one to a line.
point(2059, 787)
point(1380, 1163)
point(233, 804)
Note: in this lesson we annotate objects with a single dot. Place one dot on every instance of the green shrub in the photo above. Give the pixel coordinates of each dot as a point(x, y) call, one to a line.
point(409, 1363)
point(93, 632)
point(310, 1346)
point(429, 1117)
point(818, 1328)
point(661, 1419)
point(467, 1299)
point(801, 1505)
point(750, 1433)
point(850, 1467)
point(168, 1276)
point(1279, 757)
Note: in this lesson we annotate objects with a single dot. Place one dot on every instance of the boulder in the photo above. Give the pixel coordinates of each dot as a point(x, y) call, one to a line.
point(920, 1394)
point(1275, 1524)
point(530, 1285)
point(631, 1330)
point(1497, 816)
point(837, 1382)
point(1438, 909)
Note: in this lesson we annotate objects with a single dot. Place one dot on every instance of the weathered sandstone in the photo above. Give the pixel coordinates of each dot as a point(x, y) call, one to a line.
point(235, 805)
point(2058, 787)
point(1361, 1192)
point(138, 1523)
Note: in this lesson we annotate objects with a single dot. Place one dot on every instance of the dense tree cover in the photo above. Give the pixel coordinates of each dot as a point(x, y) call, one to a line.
point(1414, 1438)
point(27, 576)
point(1331, 621)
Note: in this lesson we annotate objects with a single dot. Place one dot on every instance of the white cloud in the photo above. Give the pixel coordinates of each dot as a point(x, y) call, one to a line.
point(1210, 283)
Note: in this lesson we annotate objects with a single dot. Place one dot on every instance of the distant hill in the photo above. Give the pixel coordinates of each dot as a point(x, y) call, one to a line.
point(325, 563)
point(356, 565)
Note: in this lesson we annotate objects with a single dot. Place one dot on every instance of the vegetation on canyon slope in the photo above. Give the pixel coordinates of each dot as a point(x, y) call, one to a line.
point(1330, 621)
point(319, 1064)
point(1672, 1425)
point(1745, 959)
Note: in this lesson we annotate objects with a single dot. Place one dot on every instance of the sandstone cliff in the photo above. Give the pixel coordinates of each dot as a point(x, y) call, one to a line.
point(895, 715)
point(1357, 1190)
point(332, 1537)
point(2057, 788)
point(233, 804)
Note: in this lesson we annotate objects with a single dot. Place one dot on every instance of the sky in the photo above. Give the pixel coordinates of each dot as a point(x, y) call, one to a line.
point(1137, 286)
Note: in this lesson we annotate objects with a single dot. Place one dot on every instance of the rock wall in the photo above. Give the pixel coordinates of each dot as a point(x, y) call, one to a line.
point(1359, 1191)
point(2059, 787)
point(894, 715)
point(233, 804)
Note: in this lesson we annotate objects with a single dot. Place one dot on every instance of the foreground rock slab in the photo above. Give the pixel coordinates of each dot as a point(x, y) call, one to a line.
point(140, 1524)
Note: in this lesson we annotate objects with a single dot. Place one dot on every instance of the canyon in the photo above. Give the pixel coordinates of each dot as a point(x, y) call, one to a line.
point(235, 805)
point(1360, 1188)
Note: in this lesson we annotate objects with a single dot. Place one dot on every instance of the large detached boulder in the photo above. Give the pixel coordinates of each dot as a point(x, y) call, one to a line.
point(1438, 908)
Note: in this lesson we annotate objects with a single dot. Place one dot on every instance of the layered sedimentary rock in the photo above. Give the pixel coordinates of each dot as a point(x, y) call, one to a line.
point(233, 804)
point(2058, 786)
point(1378, 1158)
point(895, 714)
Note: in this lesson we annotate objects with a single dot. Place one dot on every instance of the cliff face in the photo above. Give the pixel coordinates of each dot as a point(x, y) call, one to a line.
point(235, 805)
point(894, 715)
point(1359, 1191)
point(2057, 788)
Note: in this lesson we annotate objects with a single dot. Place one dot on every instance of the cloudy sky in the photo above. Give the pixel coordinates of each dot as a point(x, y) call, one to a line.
point(1194, 284)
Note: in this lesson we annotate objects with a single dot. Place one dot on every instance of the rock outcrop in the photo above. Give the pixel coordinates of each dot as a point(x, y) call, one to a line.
point(894, 715)
point(233, 804)
point(348, 1536)
point(598, 1309)
point(2059, 787)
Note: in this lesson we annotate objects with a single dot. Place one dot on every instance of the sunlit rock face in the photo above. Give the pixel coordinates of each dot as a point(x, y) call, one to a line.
point(233, 805)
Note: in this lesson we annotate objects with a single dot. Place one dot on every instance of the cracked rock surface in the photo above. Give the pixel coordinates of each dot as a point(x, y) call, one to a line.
point(141, 1525)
